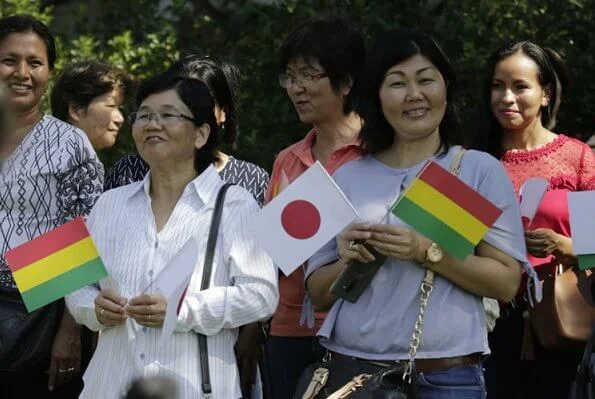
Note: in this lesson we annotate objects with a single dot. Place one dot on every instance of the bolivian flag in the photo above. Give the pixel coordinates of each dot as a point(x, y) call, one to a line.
point(443, 208)
point(55, 264)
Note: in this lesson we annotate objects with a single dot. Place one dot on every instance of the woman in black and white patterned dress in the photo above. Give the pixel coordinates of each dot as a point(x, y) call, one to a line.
point(50, 174)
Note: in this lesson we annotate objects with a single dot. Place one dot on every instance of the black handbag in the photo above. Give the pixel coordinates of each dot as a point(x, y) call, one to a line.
point(26, 339)
point(357, 379)
point(583, 386)
point(206, 277)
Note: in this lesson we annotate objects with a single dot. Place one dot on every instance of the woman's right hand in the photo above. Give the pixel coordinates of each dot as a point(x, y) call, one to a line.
point(350, 246)
point(109, 308)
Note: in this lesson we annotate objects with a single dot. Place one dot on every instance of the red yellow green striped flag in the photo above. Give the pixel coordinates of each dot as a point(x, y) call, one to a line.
point(446, 210)
point(55, 264)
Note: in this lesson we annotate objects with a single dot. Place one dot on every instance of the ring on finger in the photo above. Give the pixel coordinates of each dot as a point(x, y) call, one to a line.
point(150, 317)
point(102, 311)
point(353, 245)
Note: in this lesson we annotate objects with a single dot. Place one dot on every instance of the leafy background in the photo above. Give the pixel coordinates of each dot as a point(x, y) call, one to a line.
point(146, 36)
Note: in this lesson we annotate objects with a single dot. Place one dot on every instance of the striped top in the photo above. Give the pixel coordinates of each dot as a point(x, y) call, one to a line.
point(243, 288)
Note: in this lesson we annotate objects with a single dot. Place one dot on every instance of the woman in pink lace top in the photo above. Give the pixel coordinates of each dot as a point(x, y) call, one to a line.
point(569, 165)
point(524, 90)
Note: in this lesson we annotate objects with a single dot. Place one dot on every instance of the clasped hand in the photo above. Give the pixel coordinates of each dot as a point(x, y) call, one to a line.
point(542, 242)
point(112, 309)
point(397, 242)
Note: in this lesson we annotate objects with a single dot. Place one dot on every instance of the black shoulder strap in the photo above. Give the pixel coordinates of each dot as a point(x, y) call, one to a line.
point(212, 240)
point(206, 278)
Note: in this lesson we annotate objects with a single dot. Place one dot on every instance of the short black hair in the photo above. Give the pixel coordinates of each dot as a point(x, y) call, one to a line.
point(83, 81)
point(552, 74)
point(392, 48)
point(335, 44)
point(198, 98)
point(26, 23)
point(223, 79)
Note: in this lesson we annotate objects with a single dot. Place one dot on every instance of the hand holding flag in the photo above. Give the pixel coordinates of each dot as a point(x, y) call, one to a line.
point(110, 308)
point(446, 210)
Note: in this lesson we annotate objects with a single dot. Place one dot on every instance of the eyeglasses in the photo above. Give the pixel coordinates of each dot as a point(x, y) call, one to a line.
point(303, 79)
point(163, 118)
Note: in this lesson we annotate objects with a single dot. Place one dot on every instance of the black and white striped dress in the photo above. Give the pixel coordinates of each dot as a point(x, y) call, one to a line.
point(132, 168)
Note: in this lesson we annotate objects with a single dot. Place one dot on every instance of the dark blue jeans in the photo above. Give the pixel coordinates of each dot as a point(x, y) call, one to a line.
point(462, 382)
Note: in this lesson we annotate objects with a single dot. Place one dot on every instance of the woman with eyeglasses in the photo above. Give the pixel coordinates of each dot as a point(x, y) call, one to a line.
point(139, 228)
point(222, 80)
point(89, 95)
point(320, 64)
point(50, 175)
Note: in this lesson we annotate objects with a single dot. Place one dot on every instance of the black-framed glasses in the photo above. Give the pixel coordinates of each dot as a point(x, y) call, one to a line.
point(303, 79)
point(143, 118)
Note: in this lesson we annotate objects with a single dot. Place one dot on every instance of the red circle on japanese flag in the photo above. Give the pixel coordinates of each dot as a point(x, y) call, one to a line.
point(300, 219)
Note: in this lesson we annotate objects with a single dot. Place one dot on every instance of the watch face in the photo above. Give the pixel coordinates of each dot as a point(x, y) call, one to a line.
point(434, 253)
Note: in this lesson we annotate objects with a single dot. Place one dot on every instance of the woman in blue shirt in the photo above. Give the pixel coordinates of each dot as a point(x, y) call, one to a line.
point(409, 111)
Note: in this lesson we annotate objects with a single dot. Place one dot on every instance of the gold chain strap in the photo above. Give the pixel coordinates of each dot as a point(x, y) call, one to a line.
point(426, 287)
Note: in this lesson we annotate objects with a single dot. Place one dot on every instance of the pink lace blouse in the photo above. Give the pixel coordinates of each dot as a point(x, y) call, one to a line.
point(569, 165)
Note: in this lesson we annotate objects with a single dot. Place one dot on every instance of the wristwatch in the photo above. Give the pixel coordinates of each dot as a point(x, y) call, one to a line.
point(434, 254)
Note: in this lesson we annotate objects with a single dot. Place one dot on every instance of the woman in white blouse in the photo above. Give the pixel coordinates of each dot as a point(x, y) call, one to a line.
point(138, 229)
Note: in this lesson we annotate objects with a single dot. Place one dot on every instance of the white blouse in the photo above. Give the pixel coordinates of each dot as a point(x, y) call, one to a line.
point(243, 288)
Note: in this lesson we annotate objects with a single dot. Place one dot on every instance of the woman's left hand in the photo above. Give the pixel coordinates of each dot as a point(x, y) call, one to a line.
point(147, 310)
point(65, 360)
point(401, 243)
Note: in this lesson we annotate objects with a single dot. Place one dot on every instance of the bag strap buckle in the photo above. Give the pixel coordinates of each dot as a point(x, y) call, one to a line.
point(352, 386)
point(318, 381)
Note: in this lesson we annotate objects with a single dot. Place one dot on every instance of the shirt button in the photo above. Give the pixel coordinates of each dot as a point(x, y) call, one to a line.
point(150, 272)
point(142, 356)
point(144, 330)
point(156, 244)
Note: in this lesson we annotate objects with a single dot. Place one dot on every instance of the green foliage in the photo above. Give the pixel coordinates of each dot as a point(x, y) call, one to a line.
point(144, 37)
point(31, 7)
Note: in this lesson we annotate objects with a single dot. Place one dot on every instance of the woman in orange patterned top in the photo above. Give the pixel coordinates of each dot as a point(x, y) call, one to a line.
point(524, 88)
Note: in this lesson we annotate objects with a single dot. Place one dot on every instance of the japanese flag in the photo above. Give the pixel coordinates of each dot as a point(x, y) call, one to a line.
point(302, 218)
